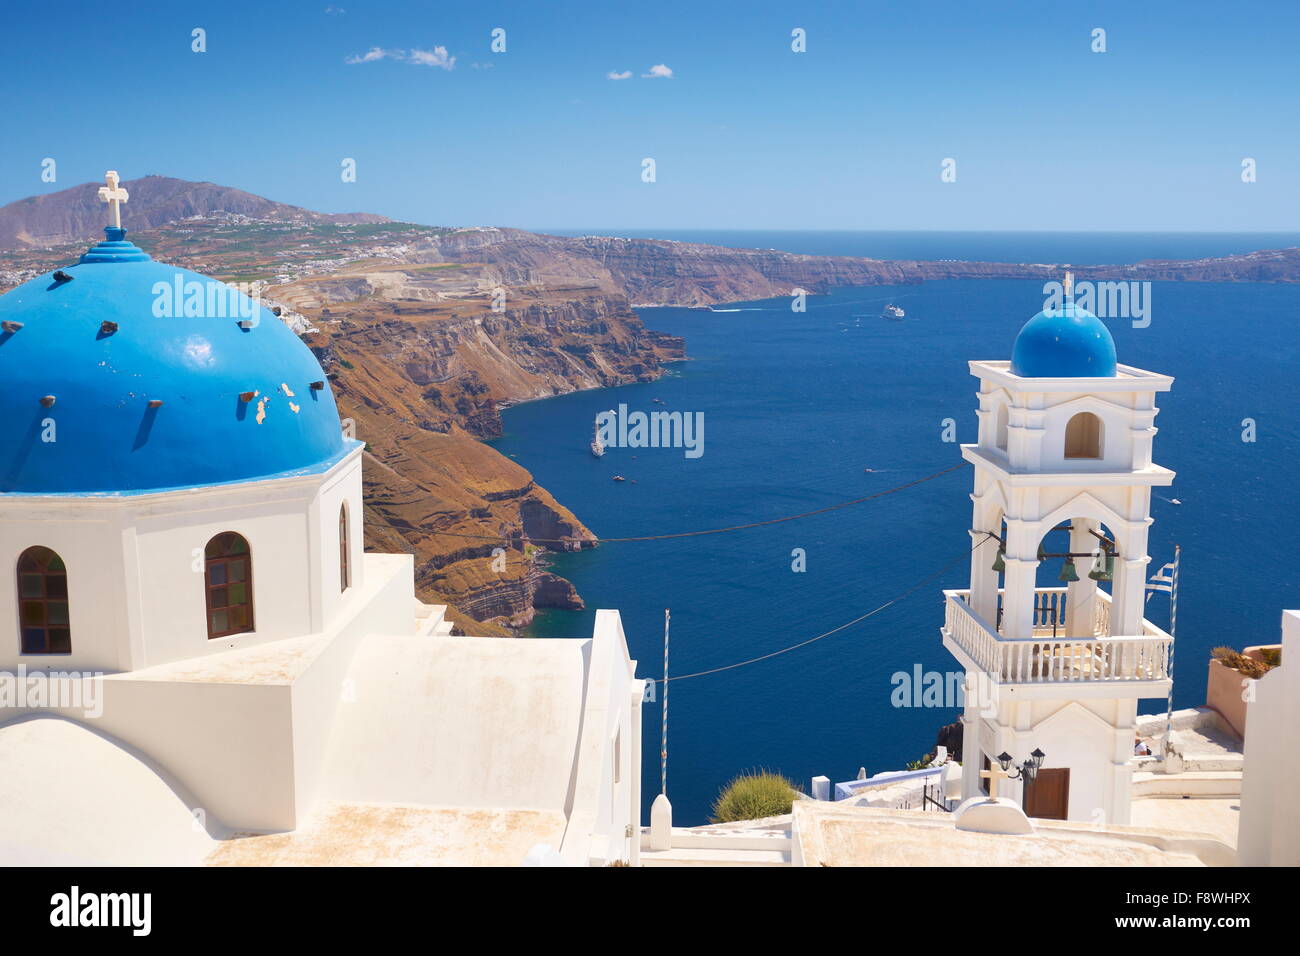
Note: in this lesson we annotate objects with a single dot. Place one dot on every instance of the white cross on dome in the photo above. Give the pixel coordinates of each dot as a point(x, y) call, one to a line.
point(114, 195)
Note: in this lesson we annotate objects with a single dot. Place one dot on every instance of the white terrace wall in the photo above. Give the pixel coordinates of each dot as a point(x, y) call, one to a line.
point(248, 750)
point(1269, 832)
point(605, 803)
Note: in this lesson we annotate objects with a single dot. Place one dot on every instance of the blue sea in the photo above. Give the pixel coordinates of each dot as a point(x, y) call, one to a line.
point(806, 410)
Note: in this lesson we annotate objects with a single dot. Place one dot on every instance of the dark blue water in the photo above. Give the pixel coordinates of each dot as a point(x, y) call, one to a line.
point(1086, 248)
point(796, 408)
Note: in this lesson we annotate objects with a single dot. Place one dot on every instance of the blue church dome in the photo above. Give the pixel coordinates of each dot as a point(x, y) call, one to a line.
point(121, 374)
point(1069, 342)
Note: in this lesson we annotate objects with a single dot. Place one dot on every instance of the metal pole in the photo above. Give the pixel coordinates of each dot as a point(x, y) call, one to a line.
point(1173, 633)
point(663, 743)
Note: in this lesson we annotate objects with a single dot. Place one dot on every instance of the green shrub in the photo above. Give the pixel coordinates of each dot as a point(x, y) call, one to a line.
point(753, 795)
point(922, 763)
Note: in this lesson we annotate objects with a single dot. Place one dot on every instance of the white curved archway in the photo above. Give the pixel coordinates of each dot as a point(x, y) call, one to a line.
point(1084, 505)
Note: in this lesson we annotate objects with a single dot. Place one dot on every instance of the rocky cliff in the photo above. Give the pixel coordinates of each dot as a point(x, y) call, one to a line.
point(423, 364)
point(663, 272)
point(442, 348)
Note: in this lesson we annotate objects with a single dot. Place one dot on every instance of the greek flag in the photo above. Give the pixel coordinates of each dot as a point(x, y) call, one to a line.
point(1163, 580)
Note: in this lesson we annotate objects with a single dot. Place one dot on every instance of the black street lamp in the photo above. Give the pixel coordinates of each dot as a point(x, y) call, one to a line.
point(1027, 771)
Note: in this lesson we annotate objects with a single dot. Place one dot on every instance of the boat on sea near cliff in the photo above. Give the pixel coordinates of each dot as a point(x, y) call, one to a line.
point(892, 312)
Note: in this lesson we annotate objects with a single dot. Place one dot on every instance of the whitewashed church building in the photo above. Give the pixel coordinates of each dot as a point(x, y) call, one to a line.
point(198, 661)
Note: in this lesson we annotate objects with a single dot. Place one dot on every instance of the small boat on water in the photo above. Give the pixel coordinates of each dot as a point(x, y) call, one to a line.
point(892, 312)
point(619, 478)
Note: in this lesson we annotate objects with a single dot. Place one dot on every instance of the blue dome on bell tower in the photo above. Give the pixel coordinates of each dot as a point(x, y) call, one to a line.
point(1064, 342)
point(123, 375)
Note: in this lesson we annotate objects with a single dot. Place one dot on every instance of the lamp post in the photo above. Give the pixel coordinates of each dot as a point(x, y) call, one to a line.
point(1027, 771)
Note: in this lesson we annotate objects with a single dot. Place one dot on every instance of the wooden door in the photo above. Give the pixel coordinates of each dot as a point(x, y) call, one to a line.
point(1048, 797)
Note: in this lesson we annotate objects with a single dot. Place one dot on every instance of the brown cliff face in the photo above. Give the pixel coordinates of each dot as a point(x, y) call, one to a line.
point(422, 364)
point(452, 361)
point(663, 272)
point(424, 491)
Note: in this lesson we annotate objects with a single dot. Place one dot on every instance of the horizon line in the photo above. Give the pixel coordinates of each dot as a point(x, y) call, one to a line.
point(604, 230)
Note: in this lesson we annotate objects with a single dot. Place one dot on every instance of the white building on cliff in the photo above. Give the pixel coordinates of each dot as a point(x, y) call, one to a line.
point(198, 661)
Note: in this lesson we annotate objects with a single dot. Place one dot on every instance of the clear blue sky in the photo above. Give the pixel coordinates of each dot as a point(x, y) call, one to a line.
point(746, 134)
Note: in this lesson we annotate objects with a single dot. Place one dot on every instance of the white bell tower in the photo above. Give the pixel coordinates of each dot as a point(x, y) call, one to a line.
point(1063, 469)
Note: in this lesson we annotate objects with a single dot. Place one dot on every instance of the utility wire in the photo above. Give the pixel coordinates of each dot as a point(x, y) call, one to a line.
point(759, 524)
point(835, 630)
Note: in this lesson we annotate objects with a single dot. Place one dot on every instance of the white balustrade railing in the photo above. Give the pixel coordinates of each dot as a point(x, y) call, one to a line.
point(1051, 660)
point(1101, 612)
point(1049, 607)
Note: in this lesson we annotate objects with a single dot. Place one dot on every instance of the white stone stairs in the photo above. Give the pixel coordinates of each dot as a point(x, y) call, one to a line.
point(430, 620)
point(759, 844)
point(1201, 738)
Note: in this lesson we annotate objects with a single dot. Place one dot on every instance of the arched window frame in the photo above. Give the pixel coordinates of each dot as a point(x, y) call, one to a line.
point(1085, 434)
point(345, 544)
point(44, 621)
point(1001, 421)
point(228, 585)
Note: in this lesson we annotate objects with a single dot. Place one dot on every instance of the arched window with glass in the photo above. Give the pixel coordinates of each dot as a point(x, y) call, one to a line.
point(43, 621)
point(228, 567)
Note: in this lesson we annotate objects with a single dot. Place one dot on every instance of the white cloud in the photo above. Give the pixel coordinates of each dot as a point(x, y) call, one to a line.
point(438, 57)
point(625, 75)
point(658, 72)
point(334, 11)
point(373, 54)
